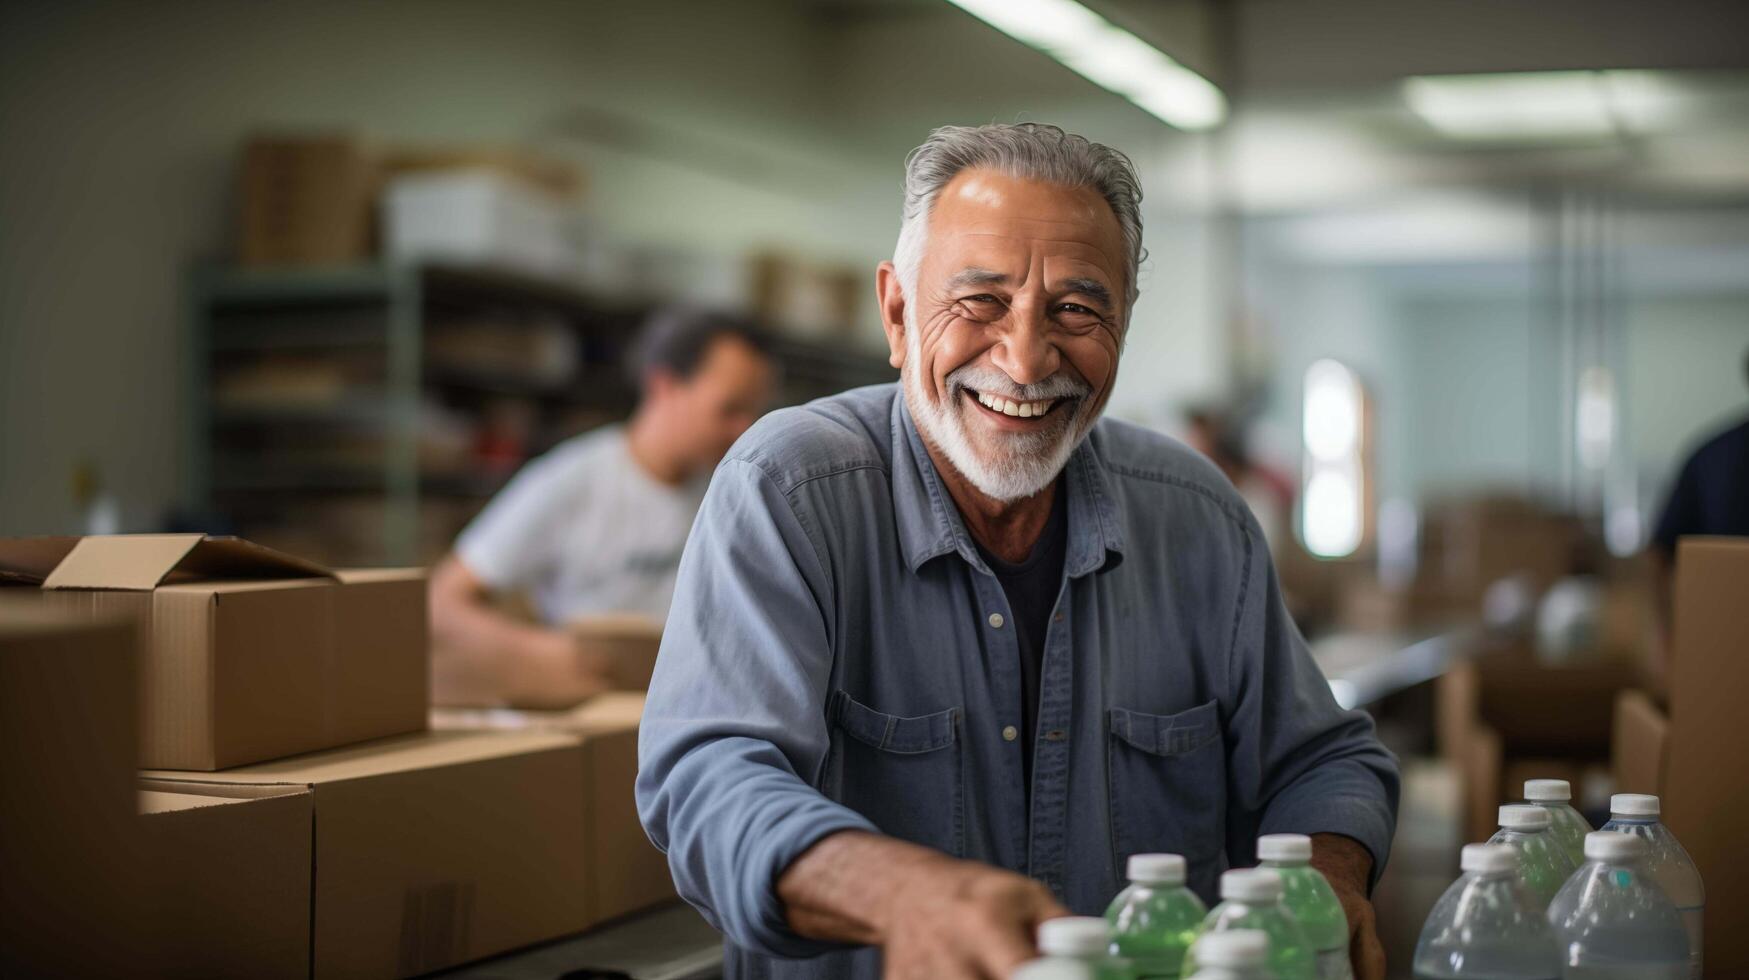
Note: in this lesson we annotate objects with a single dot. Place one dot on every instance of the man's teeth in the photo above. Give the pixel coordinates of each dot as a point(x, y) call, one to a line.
point(1024, 410)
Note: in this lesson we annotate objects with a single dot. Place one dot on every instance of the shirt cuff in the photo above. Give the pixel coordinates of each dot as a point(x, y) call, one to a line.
point(794, 833)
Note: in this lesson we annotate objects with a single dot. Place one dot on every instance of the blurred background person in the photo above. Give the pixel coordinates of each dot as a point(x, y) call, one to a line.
point(597, 524)
point(1220, 435)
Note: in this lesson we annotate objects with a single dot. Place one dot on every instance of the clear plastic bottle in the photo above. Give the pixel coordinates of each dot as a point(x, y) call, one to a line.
point(1251, 899)
point(1666, 861)
point(1543, 865)
point(1567, 825)
point(1154, 920)
point(1241, 954)
point(1082, 940)
point(1310, 898)
point(1612, 919)
point(1485, 926)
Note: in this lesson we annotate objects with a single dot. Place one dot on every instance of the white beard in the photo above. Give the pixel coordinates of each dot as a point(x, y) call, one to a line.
point(1026, 462)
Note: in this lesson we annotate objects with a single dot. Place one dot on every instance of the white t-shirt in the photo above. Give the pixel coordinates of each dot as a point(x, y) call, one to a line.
point(583, 530)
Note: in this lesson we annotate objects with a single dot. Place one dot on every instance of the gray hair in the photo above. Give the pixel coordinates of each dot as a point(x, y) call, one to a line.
point(1033, 151)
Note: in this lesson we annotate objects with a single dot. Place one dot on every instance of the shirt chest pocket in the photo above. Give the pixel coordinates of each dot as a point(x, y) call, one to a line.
point(906, 774)
point(1168, 779)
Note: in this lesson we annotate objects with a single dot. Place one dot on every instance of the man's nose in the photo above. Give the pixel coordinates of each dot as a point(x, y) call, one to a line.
point(1024, 351)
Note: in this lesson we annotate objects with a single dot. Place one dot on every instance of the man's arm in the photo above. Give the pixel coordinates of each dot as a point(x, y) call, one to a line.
point(1299, 763)
point(733, 737)
point(480, 650)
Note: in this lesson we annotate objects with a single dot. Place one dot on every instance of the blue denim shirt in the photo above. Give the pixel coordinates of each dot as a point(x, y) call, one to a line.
point(838, 656)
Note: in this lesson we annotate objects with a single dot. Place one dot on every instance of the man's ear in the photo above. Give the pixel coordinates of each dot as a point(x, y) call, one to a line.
point(892, 300)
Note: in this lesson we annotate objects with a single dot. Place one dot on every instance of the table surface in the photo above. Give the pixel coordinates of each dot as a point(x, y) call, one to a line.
point(669, 943)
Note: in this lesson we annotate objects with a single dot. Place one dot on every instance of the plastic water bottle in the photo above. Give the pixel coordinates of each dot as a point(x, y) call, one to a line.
point(1612, 919)
point(1154, 920)
point(1637, 814)
point(1485, 926)
point(1565, 823)
point(1251, 899)
point(1240, 954)
point(1310, 898)
point(1079, 940)
point(1543, 865)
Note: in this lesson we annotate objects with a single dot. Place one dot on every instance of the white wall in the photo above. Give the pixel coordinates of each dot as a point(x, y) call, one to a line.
point(754, 123)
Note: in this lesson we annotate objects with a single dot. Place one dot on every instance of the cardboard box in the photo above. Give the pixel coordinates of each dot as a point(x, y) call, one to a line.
point(1706, 784)
point(228, 879)
point(250, 654)
point(69, 872)
point(306, 200)
point(1637, 746)
point(433, 849)
point(627, 872)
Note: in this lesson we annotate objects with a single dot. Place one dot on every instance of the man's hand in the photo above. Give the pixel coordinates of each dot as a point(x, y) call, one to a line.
point(935, 918)
point(1347, 865)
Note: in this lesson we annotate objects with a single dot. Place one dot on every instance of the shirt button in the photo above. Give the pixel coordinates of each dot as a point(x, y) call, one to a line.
point(996, 621)
point(1010, 733)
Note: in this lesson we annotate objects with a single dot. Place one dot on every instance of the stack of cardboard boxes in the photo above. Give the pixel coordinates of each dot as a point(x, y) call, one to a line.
point(295, 817)
point(1687, 750)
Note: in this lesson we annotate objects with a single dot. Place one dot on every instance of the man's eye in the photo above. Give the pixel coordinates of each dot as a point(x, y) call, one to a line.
point(1076, 308)
point(980, 298)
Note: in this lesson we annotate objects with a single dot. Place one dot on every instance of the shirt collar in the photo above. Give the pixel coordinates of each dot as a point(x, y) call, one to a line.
point(930, 524)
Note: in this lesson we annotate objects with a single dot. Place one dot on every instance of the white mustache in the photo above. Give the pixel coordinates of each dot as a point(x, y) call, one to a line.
point(996, 383)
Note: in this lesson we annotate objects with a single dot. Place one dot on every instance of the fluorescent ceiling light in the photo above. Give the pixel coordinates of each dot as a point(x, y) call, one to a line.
point(1542, 104)
point(1108, 56)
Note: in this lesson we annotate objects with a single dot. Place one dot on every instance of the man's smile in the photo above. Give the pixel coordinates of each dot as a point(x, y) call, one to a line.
point(1011, 413)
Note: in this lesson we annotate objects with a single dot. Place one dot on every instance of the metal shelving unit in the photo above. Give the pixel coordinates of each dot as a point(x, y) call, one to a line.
point(379, 314)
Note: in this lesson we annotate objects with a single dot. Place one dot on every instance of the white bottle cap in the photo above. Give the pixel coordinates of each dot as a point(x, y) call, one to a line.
point(1489, 857)
point(1607, 845)
point(1251, 885)
point(1284, 847)
point(1157, 869)
point(1523, 816)
point(1634, 805)
point(1052, 970)
point(1237, 949)
point(1548, 790)
point(1073, 935)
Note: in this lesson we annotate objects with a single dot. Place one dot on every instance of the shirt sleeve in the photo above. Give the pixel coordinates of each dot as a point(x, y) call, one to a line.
point(515, 540)
point(1297, 762)
point(734, 731)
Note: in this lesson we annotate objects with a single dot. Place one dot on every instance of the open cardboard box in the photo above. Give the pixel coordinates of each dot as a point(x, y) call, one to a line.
point(431, 850)
point(248, 654)
point(627, 873)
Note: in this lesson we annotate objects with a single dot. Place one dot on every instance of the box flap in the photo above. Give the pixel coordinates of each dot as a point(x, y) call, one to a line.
point(27, 561)
point(141, 562)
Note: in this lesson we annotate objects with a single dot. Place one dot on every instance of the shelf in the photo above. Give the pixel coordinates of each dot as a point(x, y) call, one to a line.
point(270, 288)
point(340, 479)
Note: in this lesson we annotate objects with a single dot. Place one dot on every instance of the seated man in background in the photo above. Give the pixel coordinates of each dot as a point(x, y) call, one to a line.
point(597, 524)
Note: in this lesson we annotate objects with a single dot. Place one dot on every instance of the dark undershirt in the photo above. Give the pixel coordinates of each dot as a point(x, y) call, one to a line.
point(1031, 587)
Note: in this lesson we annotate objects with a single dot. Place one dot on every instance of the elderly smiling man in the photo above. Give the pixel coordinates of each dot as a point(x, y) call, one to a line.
point(942, 655)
